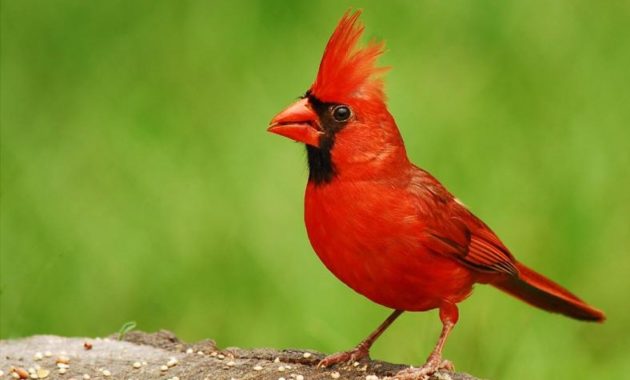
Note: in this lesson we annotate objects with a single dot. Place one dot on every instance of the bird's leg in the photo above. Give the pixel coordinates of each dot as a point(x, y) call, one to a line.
point(449, 315)
point(362, 349)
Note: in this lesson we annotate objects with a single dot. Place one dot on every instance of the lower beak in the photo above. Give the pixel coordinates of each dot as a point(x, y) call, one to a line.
point(298, 122)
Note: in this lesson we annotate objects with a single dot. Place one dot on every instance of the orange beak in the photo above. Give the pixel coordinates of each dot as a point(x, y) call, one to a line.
point(298, 122)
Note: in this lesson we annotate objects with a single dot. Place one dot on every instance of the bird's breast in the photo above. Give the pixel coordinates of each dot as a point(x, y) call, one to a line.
point(370, 236)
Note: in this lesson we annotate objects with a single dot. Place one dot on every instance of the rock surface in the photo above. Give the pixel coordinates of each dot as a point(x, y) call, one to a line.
point(162, 355)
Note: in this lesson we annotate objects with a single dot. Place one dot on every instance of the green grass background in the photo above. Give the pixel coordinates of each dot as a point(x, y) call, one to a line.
point(138, 182)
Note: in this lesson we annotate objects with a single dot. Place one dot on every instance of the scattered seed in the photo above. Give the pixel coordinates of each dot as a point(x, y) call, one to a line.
point(86, 377)
point(87, 345)
point(47, 354)
point(62, 365)
point(276, 360)
point(38, 356)
point(106, 373)
point(281, 378)
point(299, 377)
point(231, 363)
point(62, 370)
point(281, 368)
point(201, 353)
point(137, 365)
point(213, 353)
point(307, 355)
point(172, 362)
point(144, 363)
point(221, 356)
point(189, 351)
point(20, 372)
point(335, 375)
point(163, 368)
point(258, 368)
point(371, 377)
point(356, 364)
point(63, 360)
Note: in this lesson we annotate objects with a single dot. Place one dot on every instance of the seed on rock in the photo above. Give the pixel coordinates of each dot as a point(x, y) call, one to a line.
point(163, 368)
point(258, 368)
point(106, 373)
point(21, 373)
point(335, 375)
point(137, 365)
point(307, 355)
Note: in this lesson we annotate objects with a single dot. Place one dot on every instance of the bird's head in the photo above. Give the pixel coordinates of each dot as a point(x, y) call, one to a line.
point(343, 118)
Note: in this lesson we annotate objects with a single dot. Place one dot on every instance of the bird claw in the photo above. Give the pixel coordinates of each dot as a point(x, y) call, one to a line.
point(343, 357)
point(433, 365)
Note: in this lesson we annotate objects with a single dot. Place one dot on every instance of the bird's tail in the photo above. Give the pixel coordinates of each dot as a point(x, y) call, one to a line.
point(539, 291)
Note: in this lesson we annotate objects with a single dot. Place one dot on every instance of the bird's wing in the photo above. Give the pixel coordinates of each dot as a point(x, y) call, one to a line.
point(469, 241)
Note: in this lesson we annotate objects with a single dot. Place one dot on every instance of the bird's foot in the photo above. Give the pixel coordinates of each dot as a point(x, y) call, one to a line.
point(433, 365)
point(354, 355)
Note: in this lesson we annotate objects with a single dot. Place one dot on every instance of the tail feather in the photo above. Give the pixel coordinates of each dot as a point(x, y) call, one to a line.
point(539, 291)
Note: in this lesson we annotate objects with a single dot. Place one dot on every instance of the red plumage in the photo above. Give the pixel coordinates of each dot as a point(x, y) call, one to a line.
point(383, 226)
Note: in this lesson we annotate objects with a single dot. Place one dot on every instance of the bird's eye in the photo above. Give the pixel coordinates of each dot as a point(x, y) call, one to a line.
point(341, 113)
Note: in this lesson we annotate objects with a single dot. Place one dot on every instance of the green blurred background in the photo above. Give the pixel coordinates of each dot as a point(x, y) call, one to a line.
point(138, 182)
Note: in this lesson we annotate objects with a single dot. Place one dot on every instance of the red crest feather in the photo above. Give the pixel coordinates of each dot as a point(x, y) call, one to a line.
point(346, 72)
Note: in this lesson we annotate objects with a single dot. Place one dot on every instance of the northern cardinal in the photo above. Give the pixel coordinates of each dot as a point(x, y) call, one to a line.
point(383, 226)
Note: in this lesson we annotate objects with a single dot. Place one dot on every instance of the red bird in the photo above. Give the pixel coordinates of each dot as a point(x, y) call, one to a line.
point(383, 226)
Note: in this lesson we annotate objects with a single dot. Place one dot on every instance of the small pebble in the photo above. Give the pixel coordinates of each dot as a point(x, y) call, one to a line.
point(281, 368)
point(189, 351)
point(163, 368)
point(106, 373)
point(62, 370)
point(299, 377)
point(335, 375)
point(258, 368)
point(137, 365)
point(62, 365)
point(281, 378)
point(213, 353)
point(86, 377)
point(231, 363)
point(47, 354)
point(371, 377)
point(221, 356)
point(1, 373)
point(356, 364)
point(276, 360)
point(307, 355)
point(201, 353)
point(172, 362)
point(38, 356)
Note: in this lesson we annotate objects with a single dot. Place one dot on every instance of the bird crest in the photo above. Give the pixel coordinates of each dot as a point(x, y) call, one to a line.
point(346, 71)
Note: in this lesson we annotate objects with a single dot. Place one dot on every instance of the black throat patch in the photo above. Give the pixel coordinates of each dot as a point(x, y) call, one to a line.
point(321, 168)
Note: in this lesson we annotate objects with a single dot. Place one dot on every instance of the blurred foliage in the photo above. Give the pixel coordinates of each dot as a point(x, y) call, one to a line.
point(138, 182)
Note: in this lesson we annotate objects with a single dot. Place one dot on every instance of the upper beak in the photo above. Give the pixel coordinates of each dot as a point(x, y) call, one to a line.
point(298, 122)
